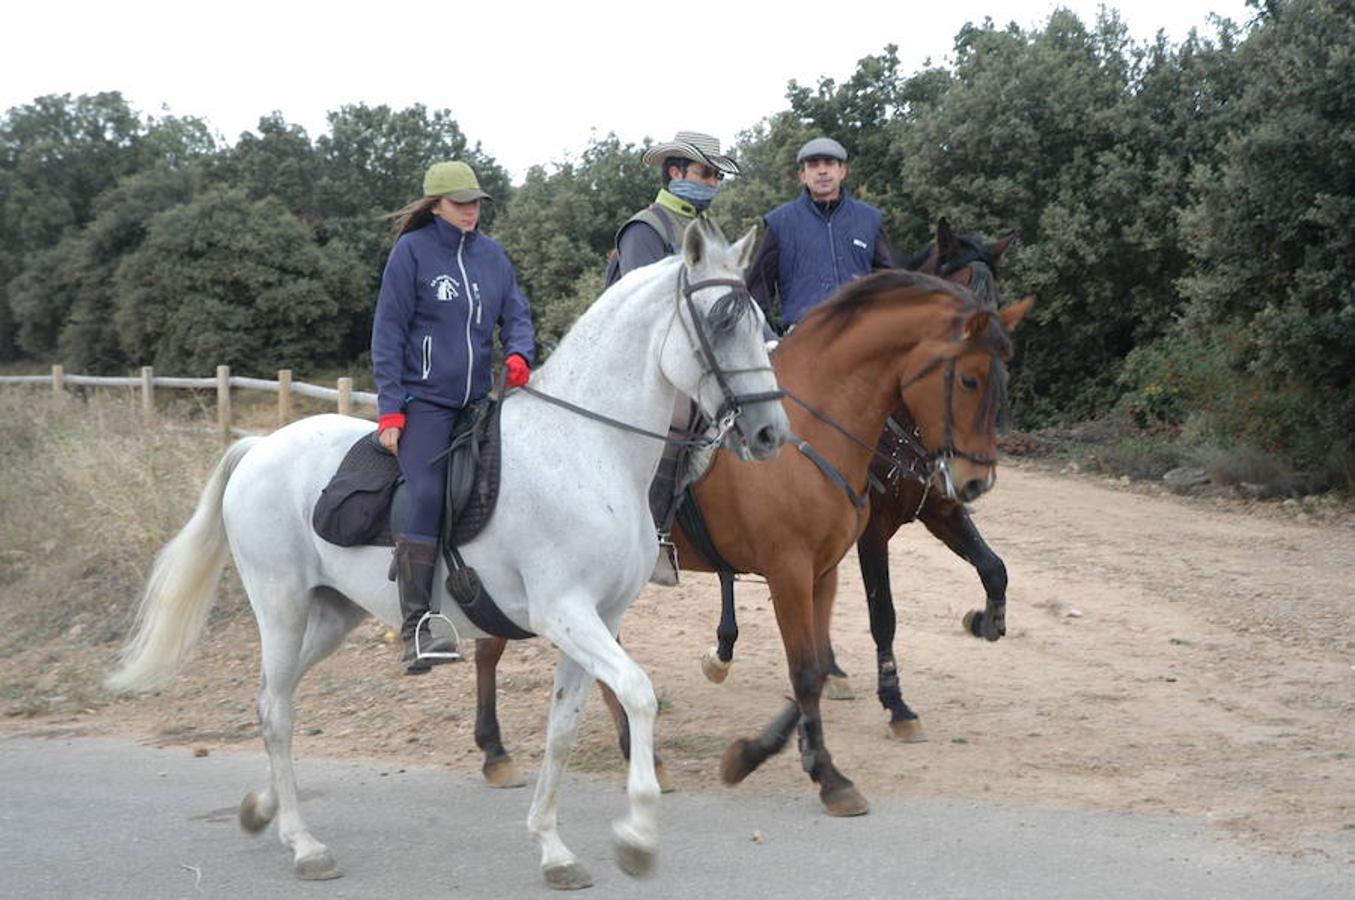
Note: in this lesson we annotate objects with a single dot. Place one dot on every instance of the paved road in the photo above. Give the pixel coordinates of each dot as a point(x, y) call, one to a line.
point(105, 818)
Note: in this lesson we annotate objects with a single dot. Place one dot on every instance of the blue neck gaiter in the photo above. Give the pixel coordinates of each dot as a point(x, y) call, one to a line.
point(694, 192)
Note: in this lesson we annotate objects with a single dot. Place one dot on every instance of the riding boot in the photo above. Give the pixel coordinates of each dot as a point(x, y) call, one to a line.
point(414, 564)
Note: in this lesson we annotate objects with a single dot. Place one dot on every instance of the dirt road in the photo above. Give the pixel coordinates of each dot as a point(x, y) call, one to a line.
point(1163, 655)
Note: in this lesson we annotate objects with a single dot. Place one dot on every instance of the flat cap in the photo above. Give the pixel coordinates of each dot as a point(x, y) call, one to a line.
point(821, 146)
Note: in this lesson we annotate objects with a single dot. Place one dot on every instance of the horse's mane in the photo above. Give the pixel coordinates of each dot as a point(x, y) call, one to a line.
point(834, 315)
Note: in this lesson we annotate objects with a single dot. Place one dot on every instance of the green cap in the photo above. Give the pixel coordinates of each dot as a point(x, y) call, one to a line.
point(454, 179)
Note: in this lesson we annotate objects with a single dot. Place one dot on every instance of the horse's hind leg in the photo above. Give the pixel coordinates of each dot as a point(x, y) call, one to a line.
point(872, 551)
point(294, 636)
point(715, 664)
point(500, 769)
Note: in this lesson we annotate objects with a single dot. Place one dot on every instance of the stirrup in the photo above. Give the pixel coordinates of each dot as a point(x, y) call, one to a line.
point(447, 655)
point(666, 575)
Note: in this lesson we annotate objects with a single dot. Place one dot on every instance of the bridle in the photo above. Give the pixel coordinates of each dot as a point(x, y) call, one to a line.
point(724, 314)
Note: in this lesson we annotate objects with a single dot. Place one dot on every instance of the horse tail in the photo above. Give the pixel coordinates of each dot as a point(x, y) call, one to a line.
point(181, 588)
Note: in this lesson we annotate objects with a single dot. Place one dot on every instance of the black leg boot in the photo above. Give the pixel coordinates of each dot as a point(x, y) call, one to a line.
point(414, 564)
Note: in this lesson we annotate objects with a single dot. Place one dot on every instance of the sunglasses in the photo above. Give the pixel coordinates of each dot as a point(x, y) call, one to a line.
point(701, 170)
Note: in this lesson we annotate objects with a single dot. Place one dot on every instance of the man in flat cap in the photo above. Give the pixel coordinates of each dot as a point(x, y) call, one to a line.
point(691, 168)
point(817, 242)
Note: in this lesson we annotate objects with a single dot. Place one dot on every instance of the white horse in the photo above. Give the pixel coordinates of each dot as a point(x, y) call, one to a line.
point(568, 548)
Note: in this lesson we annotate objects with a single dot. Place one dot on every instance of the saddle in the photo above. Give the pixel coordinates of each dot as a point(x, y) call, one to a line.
point(367, 493)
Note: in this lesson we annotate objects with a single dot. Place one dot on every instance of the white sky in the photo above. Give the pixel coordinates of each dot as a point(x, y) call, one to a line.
point(531, 81)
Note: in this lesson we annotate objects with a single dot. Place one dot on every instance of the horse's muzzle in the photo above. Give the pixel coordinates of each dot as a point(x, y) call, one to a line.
point(763, 444)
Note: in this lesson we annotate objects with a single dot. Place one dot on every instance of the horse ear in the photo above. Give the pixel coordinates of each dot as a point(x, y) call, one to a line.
point(1012, 315)
point(747, 245)
point(694, 241)
point(976, 325)
point(995, 250)
point(947, 247)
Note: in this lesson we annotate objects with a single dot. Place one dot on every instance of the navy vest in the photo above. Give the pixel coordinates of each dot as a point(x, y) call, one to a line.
point(818, 254)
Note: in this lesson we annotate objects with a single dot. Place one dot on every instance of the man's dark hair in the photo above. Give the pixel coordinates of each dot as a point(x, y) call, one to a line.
point(681, 162)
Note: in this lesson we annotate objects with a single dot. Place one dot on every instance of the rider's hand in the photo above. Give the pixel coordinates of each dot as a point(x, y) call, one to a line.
point(390, 439)
point(518, 370)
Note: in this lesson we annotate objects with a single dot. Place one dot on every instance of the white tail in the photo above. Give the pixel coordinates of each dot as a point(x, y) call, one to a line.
point(181, 588)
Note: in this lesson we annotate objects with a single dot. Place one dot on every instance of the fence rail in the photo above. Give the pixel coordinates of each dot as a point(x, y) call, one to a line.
point(343, 394)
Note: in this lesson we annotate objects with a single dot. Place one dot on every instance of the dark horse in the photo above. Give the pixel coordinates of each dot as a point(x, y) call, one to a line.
point(891, 335)
point(907, 484)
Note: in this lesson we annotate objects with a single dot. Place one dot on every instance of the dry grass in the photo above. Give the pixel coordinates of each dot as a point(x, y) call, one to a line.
point(88, 493)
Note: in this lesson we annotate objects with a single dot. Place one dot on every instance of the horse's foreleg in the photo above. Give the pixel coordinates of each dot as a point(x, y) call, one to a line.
point(949, 522)
point(293, 638)
point(500, 769)
point(623, 736)
point(715, 664)
point(872, 551)
point(836, 791)
point(586, 640)
point(559, 866)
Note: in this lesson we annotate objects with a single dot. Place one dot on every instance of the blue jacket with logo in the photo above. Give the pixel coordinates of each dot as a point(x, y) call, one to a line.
point(442, 294)
point(817, 253)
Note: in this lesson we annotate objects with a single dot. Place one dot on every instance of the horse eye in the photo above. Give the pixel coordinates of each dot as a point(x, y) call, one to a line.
point(969, 382)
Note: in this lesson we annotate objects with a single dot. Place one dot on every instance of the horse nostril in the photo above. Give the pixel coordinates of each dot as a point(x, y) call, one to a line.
point(973, 489)
point(765, 441)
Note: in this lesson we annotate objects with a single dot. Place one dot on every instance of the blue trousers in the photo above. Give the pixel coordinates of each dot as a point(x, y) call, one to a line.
point(423, 462)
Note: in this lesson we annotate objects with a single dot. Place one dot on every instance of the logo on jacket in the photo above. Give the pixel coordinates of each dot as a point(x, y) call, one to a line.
point(860, 243)
point(445, 287)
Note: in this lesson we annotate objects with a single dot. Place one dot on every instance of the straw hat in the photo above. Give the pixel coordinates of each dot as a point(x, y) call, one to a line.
point(695, 146)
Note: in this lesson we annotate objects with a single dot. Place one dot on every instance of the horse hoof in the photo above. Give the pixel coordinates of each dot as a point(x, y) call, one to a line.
point(845, 801)
point(635, 856)
point(971, 621)
point(838, 688)
point(665, 783)
point(318, 867)
point(253, 817)
point(503, 773)
point(909, 731)
point(567, 877)
point(715, 669)
point(734, 765)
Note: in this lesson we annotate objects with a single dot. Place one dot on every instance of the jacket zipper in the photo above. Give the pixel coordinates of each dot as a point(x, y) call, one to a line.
point(470, 309)
point(427, 355)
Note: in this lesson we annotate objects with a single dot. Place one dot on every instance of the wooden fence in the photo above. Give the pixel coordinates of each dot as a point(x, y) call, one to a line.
point(343, 395)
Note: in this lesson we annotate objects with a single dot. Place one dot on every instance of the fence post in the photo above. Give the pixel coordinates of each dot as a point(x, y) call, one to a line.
point(223, 401)
point(147, 391)
point(59, 383)
point(345, 396)
point(284, 396)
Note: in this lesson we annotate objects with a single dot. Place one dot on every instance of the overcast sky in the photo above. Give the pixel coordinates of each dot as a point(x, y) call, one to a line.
point(530, 81)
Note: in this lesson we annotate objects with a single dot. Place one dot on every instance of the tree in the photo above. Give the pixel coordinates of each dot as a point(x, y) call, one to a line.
point(1274, 228)
point(227, 280)
point(561, 225)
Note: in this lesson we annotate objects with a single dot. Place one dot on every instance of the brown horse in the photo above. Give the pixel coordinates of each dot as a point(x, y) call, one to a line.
point(908, 484)
point(888, 336)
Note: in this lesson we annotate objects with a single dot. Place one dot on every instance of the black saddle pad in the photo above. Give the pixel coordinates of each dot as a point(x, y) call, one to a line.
point(354, 509)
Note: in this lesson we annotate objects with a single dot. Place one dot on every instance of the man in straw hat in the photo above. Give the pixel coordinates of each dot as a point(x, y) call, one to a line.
point(817, 242)
point(691, 168)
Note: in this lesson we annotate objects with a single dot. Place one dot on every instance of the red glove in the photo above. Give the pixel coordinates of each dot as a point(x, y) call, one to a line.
point(518, 370)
